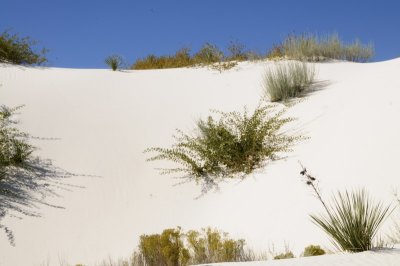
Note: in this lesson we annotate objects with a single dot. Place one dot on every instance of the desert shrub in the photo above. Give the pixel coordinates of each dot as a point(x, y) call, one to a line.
point(312, 250)
point(287, 80)
point(352, 220)
point(285, 255)
point(114, 61)
point(222, 66)
point(14, 147)
point(208, 54)
point(182, 58)
point(233, 146)
point(210, 246)
point(19, 50)
point(237, 52)
point(165, 249)
point(311, 47)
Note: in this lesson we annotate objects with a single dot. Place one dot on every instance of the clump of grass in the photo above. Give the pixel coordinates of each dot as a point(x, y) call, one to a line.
point(233, 146)
point(353, 219)
point(114, 61)
point(286, 255)
point(313, 250)
point(312, 47)
point(285, 80)
point(182, 58)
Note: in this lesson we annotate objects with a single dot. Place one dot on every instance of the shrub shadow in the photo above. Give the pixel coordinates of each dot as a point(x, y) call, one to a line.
point(25, 189)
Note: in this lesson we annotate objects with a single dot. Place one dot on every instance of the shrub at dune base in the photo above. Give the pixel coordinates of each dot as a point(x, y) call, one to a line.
point(19, 50)
point(174, 247)
point(352, 220)
point(312, 250)
point(233, 146)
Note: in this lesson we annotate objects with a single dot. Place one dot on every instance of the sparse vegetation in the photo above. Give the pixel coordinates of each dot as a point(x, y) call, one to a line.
point(353, 219)
point(20, 50)
point(312, 250)
point(285, 80)
point(286, 255)
point(231, 147)
point(114, 61)
point(311, 47)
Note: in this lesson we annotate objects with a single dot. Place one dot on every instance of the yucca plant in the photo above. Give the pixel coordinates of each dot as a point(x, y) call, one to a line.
point(233, 146)
point(114, 61)
point(285, 80)
point(352, 220)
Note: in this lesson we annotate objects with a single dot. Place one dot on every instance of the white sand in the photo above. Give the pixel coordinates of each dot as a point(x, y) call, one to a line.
point(104, 120)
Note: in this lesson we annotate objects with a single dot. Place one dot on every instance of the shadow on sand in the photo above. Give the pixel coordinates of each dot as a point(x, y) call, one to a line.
point(24, 190)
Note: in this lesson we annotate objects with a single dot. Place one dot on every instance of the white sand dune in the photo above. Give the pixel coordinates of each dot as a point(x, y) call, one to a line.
point(103, 120)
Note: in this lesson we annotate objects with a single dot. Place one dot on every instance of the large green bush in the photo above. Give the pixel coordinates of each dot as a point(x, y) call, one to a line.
point(312, 47)
point(20, 50)
point(232, 146)
point(285, 80)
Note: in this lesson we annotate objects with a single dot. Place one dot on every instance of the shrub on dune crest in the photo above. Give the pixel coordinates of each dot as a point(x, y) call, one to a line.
point(114, 61)
point(285, 80)
point(312, 250)
point(312, 47)
point(19, 50)
point(233, 146)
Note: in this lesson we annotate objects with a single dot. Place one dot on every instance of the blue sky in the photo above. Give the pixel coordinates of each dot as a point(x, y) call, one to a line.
point(81, 33)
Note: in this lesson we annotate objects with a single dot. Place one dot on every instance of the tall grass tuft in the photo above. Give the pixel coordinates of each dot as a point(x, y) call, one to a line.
point(287, 80)
point(313, 48)
point(353, 220)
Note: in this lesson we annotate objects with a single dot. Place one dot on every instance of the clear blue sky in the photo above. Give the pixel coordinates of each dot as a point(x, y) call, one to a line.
point(81, 33)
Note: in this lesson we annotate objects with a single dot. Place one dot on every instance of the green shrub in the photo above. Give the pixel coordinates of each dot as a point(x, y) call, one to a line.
point(352, 220)
point(165, 249)
point(114, 61)
point(287, 80)
point(233, 146)
point(312, 250)
point(14, 147)
point(311, 47)
point(208, 54)
point(286, 255)
point(181, 58)
point(19, 50)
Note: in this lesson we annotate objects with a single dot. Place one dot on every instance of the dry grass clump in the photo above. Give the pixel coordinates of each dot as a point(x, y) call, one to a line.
point(311, 47)
point(285, 80)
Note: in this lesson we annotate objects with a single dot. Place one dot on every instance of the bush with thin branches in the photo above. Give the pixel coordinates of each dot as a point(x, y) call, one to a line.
point(285, 80)
point(20, 50)
point(233, 146)
point(352, 220)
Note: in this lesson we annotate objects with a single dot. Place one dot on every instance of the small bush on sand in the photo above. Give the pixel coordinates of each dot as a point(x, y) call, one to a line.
point(311, 47)
point(208, 54)
point(181, 58)
point(285, 80)
point(286, 255)
point(114, 61)
point(353, 219)
point(231, 147)
point(312, 250)
point(19, 50)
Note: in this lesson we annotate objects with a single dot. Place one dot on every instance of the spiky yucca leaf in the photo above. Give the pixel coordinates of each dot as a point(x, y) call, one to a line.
point(353, 220)
point(233, 146)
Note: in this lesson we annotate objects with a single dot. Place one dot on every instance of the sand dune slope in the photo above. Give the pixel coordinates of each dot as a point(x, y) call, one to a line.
point(99, 122)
